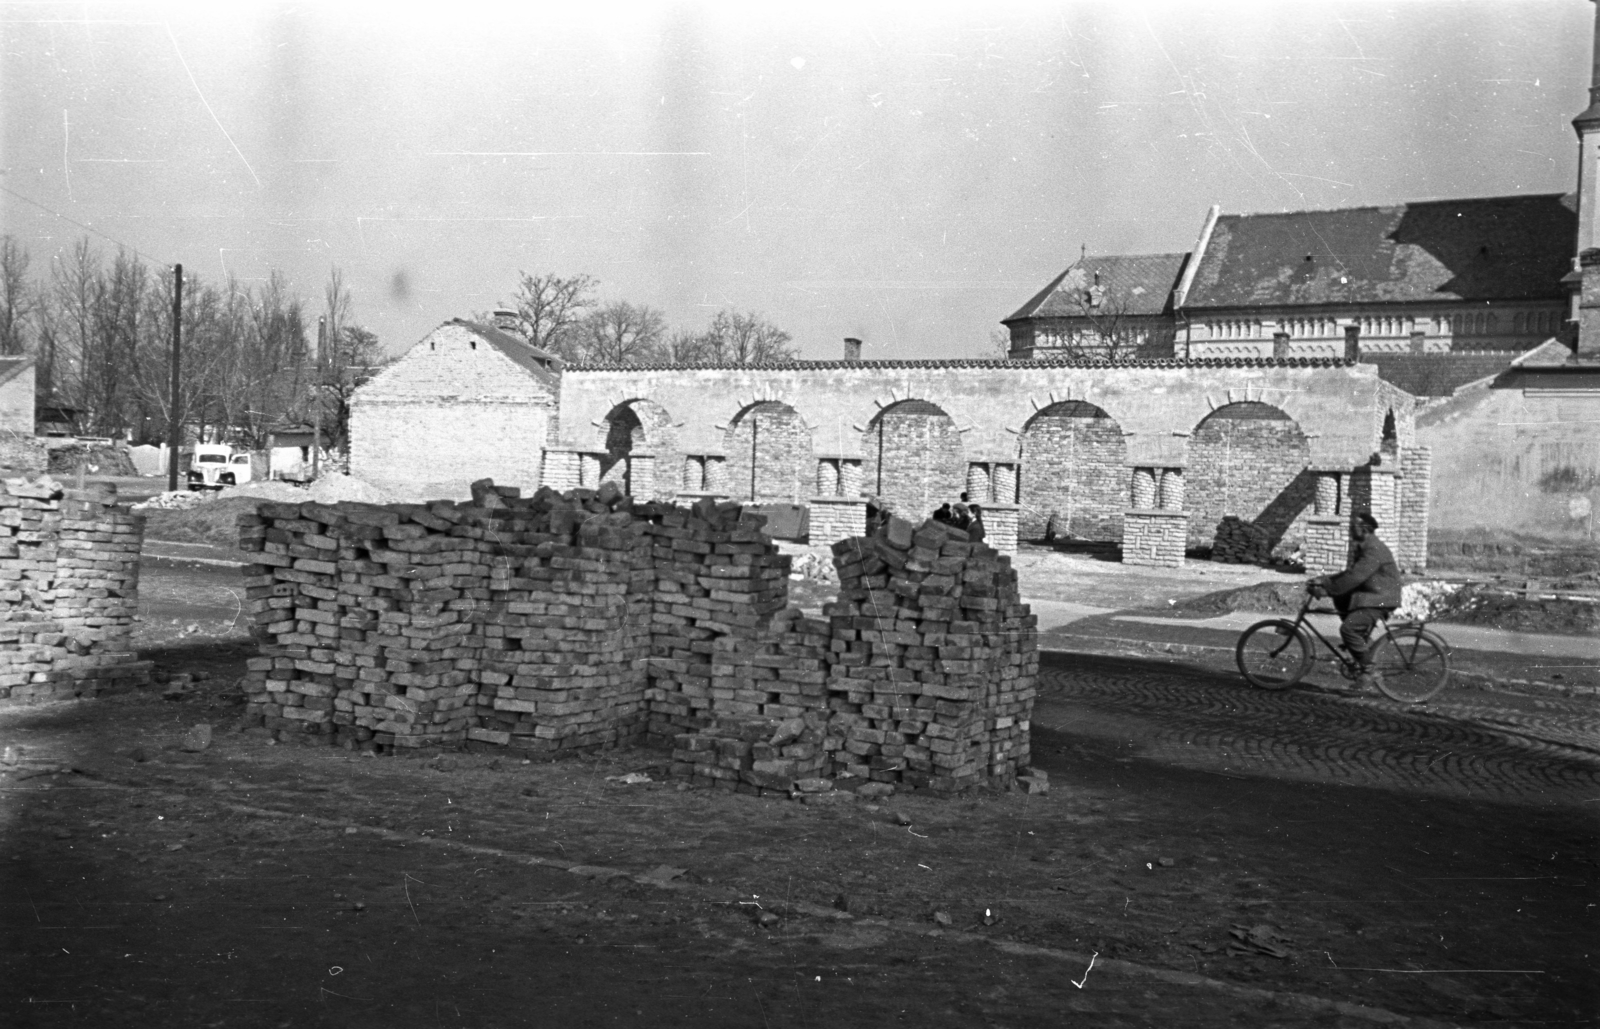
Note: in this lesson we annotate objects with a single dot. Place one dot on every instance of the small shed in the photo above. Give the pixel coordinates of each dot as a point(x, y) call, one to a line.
point(289, 452)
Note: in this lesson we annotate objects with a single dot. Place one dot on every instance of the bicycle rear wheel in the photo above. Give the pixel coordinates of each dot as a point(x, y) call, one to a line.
point(1412, 665)
point(1273, 655)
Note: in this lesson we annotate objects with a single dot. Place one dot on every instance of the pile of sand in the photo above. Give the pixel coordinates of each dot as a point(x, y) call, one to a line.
point(329, 489)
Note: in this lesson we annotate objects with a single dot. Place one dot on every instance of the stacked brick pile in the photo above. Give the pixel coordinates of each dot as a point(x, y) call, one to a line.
point(1241, 543)
point(518, 621)
point(568, 628)
point(718, 582)
point(367, 618)
point(934, 660)
point(573, 621)
point(69, 578)
point(756, 755)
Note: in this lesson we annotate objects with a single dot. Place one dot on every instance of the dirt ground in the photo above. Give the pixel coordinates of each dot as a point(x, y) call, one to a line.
point(256, 884)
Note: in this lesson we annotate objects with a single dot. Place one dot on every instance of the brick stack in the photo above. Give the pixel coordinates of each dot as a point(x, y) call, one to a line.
point(368, 619)
point(718, 582)
point(934, 660)
point(563, 664)
point(561, 622)
point(69, 576)
point(754, 755)
point(1241, 543)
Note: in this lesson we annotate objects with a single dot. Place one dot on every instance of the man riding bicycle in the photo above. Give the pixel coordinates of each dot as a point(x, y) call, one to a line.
point(1364, 594)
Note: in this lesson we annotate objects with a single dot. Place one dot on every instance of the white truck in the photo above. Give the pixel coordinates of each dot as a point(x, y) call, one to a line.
point(215, 465)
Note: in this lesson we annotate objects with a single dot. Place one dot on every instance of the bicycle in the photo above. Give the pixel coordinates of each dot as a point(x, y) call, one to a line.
point(1412, 663)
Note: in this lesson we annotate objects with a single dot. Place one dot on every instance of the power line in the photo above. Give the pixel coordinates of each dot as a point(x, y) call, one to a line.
point(52, 211)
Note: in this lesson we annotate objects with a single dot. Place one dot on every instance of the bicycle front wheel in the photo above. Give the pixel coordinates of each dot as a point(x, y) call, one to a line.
point(1412, 665)
point(1273, 655)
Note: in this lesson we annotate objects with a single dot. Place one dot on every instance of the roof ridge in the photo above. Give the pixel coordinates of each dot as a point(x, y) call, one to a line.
point(1390, 207)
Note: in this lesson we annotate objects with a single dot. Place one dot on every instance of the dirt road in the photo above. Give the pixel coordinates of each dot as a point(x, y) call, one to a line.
point(1221, 856)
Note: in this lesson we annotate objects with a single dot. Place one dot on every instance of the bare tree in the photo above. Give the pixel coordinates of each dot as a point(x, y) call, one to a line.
point(74, 288)
point(684, 347)
point(207, 354)
point(746, 338)
point(17, 296)
point(999, 344)
point(352, 358)
point(623, 333)
point(109, 355)
point(552, 308)
point(337, 308)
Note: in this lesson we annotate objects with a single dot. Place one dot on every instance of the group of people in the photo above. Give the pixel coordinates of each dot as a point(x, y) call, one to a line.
point(963, 515)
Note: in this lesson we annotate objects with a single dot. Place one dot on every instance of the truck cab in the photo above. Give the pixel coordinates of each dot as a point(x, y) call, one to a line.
point(215, 465)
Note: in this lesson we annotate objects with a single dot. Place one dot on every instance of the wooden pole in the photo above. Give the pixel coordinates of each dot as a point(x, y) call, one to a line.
point(316, 393)
point(174, 417)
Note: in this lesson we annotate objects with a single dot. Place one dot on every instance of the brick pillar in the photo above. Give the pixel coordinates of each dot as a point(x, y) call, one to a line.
point(834, 518)
point(1143, 490)
point(694, 474)
point(850, 477)
point(641, 476)
point(1327, 544)
point(1327, 503)
point(559, 469)
point(1005, 483)
point(1359, 491)
point(827, 478)
point(716, 473)
point(1416, 473)
point(1345, 483)
point(978, 485)
point(1000, 527)
point(1154, 537)
point(1383, 500)
point(1170, 494)
point(589, 471)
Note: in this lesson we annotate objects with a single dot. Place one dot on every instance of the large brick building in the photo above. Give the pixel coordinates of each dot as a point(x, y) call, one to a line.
point(1436, 277)
point(1151, 453)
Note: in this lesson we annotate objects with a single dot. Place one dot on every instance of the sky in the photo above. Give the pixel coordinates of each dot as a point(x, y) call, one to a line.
point(908, 174)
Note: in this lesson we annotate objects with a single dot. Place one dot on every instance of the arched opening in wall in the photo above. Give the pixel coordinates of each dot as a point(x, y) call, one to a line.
point(1250, 460)
point(769, 455)
point(913, 459)
point(642, 427)
point(1074, 477)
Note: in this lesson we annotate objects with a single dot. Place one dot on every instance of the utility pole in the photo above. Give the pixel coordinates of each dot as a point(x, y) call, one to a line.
point(316, 402)
point(174, 417)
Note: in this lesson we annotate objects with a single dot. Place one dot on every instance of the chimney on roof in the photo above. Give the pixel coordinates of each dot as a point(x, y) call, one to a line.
point(507, 321)
point(852, 349)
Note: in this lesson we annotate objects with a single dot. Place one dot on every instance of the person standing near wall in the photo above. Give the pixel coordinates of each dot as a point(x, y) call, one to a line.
point(975, 529)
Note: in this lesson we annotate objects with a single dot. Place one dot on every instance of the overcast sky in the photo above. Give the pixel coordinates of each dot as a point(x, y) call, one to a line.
point(909, 174)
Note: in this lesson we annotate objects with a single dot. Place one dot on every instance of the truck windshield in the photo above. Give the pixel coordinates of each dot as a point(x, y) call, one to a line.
point(212, 459)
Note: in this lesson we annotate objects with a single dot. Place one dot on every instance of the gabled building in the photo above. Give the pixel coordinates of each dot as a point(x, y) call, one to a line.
point(468, 401)
point(1115, 307)
point(1430, 277)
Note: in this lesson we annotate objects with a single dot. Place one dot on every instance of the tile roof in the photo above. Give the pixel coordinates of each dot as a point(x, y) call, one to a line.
point(1490, 248)
point(1439, 375)
point(544, 365)
point(1141, 283)
point(12, 364)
